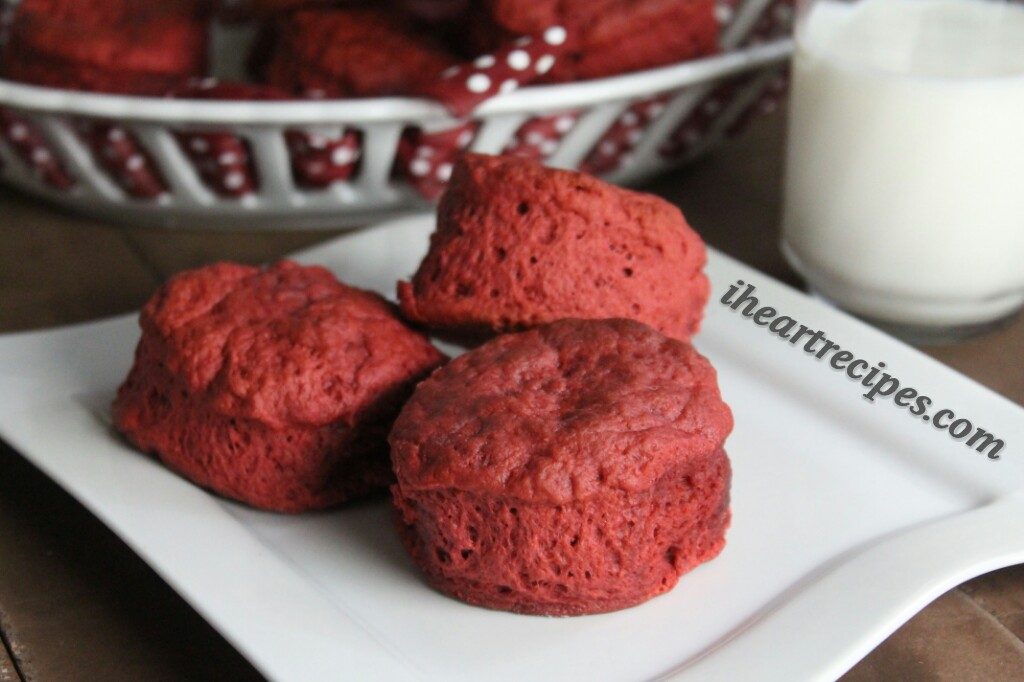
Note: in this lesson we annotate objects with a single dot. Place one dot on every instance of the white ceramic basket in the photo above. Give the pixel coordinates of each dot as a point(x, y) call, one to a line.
point(691, 91)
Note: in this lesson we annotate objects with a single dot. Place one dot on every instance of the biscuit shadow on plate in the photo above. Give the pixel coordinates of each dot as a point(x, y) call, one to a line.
point(364, 527)
point(358, 537)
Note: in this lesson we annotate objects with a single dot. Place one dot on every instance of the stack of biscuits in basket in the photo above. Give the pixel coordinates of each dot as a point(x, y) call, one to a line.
point(570, 462)
point(349, 48)
point(458, 52)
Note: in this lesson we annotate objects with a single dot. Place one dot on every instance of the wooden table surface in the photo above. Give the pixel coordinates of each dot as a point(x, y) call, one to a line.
point(77, 604)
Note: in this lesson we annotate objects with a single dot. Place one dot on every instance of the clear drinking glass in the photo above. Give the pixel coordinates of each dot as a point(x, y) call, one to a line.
point(904, 199)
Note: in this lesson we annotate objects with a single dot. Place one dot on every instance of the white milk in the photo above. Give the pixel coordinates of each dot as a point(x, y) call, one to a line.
point(905, 169)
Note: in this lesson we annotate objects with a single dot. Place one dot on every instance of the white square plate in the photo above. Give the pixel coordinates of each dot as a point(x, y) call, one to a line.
point(848, 516)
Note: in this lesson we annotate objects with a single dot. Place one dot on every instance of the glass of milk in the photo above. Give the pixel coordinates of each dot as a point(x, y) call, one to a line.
point(904, 198)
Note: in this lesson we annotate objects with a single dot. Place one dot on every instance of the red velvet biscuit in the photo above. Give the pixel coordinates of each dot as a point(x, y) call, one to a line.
point(275, 387)
point(125, 46)
point(262, 8)
point(432, 12)
point(574, 468)
point(518, 245)
point(119, 46)
point(106, 12)
point(352, 53)
point(60, 74)
point(609, 36)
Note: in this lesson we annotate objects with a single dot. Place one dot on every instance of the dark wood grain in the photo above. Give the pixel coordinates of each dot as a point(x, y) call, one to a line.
point(56, 269)
point(8, 670)
point(192, 247)
point(953, 639)
point(78, 604)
